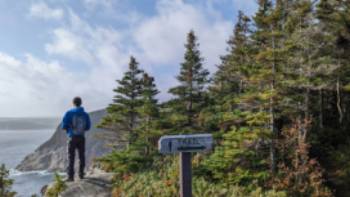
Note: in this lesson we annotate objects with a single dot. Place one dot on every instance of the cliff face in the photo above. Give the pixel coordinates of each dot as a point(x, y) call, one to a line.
point(52, 155)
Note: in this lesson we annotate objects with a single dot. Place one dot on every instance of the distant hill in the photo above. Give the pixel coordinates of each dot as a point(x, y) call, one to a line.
point(28, 123)
point(52, 155)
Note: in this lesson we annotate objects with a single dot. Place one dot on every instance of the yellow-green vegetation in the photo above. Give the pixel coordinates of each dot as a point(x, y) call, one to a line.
point(150, 184)
point(58, 186)
point(164, 183)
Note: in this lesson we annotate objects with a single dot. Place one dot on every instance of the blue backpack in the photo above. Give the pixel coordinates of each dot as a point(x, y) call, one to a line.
point(79, 124)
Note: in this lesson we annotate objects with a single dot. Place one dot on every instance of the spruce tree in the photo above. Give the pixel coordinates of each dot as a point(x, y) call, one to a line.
point(142, 149)
point(149, 114)
point(268, 80)
point(263, 86)
point(231, 79)
point(193, 79)
point(326, 10)
point(149, 110)
point(334, 22)
point(230, 76)
point(5, 183)
point(304, 68)
point(240, 156)
point(122, 113)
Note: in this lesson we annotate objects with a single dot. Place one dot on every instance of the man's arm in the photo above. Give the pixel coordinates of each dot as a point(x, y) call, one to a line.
point(88, 122)
point(66, 122)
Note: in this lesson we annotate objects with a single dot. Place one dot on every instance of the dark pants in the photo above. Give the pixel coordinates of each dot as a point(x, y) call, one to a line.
point(76, 143)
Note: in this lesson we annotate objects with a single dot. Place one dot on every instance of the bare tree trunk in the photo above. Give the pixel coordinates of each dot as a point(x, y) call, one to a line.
point(308, 84)
point(307, 102)
point(190, 102)
point(321, 109)
point(240, 88)
point(339, 102)
point(274, 136)
point(272, 115)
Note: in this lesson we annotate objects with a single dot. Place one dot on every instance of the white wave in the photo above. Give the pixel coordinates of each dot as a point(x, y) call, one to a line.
point(15, 173)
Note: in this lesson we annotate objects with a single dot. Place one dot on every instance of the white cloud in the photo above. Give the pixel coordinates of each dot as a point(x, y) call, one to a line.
point(100, 51)
point(45, 88)
point(80, 41)
point(161, 38)
point(42, 10)
point(32, 87)
point(68, 44)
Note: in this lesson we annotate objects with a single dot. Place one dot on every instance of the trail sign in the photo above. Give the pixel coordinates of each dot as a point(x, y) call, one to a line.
point(185, 143)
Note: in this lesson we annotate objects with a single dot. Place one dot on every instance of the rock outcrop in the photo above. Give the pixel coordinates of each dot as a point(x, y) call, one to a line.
point(94, 185)
point(52, 155)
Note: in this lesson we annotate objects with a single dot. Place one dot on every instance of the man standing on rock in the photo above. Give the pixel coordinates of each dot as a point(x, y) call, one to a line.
point(76, 122)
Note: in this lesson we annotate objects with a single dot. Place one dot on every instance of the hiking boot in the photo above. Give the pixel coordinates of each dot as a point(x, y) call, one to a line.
point(69, 179)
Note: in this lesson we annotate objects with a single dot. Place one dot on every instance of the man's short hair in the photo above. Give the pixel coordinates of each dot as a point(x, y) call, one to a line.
point(77, 101)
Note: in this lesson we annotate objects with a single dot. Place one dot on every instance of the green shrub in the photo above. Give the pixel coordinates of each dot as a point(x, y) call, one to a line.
point(56, 188)
point(5, 183)
point(127, 161)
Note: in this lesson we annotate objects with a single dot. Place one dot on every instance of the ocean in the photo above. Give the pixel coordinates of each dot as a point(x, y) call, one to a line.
point(17, 141)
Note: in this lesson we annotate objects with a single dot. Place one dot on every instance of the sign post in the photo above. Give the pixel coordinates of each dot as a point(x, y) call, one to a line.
point(185, 145)
point(185, 175)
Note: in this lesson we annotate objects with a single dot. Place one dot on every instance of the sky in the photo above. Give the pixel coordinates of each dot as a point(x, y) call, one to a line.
point(53, 50)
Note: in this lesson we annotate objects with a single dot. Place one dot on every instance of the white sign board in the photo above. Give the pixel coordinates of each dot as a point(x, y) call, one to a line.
point(185, 143)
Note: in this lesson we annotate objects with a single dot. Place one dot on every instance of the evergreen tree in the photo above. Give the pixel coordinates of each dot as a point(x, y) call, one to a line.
point(268, 79)
point(333, 22)
point(149, 114)
point(264, 79)
point(228, 79)
point(335, 27)
point(149, 110)
point(142, 149)
point(5, 183)
point(122, 113)
point(328, 14)
point(193, 78)
point(326, 10)
point(240, 157)
point(134, 111)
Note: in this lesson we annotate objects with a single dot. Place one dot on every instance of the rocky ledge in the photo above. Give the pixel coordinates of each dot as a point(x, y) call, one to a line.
point(98, 184)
